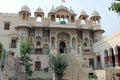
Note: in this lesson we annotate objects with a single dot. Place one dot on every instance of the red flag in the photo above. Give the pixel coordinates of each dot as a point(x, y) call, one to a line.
point(63, 1)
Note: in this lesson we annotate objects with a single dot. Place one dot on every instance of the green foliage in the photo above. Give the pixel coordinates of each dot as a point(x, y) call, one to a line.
point(25, 60)
point(115, 6)
point(58, 63)
point(25, 47)
point(92, 76)
point(1, 50)
point(12, 78)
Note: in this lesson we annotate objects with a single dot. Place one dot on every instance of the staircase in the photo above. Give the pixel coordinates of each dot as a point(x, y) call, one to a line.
point(75, 70)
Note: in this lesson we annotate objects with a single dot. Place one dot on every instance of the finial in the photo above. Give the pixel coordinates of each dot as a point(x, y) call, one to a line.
point(52, 6)
point(70, 8)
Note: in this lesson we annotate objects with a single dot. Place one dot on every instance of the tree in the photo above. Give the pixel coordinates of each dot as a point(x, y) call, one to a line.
point(58, 63)
point(25, 60)
point(115, 6)
point(1, 50)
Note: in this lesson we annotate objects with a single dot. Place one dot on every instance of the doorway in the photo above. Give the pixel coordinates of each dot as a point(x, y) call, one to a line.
point(62, 47)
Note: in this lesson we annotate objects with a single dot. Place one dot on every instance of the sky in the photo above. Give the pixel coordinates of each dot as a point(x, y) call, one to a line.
point(110, 21)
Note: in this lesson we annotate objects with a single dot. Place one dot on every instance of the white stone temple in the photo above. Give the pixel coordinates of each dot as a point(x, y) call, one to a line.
point(80, 39)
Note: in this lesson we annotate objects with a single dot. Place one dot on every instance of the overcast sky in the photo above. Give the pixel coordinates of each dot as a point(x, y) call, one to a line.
point(110, 21)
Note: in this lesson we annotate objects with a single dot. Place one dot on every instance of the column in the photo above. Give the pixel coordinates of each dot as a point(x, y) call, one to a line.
point(116, 59)
point(110, 59)
point(69, 19)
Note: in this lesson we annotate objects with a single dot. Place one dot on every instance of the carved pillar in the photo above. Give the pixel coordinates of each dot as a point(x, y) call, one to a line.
point(116, 59)
point(50, 39)
point(105, 59)
point(56, 43)
point(71, 42)
point(69, 19)
point(110, 59)
point(55, 17)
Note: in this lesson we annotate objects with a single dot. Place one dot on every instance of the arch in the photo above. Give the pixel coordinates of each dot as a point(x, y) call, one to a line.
point(73, 42)
point(38, 41)
point(86, 42)
point(23, 16)
point(62, 47)
point(58, 18)
point(45, 49)
point(72, 19)
point(53, 42)
point(62, 16)
point(82, 21)
point(117, 54)
point(67, 19)
point(106, 58)
point(63, 37)
point(66, 35)
point(53, 18)
point(112, 57)
point(39, 19)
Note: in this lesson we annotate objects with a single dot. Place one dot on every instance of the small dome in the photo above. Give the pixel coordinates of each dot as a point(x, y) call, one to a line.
point(39, 10)
point(95, 13)
point(83, 12)
point(52, 10)
point(71, 11)
point(25, 8)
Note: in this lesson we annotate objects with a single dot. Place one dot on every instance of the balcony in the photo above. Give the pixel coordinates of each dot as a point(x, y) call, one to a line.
point(87, 49)
point(12, 45)
point(63, 25)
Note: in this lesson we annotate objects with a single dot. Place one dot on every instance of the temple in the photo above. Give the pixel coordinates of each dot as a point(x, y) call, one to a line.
point(80, 39)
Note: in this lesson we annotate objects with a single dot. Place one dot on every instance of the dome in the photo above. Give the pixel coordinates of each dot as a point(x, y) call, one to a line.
point(25, 8)
point(95, 13)
point(71, 11)
point(83, 12)
point(61, 7)
point(52, 10)
point(39, 10)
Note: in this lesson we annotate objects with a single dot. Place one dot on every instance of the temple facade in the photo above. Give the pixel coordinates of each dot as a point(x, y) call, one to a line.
point(80, 39)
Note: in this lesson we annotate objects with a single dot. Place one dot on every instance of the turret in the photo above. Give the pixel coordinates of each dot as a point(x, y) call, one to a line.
point(25, 13)
point(83, 17)
point(39, 13)
point(95, 17)
point(62, 14)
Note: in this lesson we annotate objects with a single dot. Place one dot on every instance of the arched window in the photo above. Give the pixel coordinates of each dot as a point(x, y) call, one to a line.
point(106, 58)
point(23, 16)
point(53, 18)
point(86, 41)
point(72, 19)
point(117, 54)
point(39, 18)
point(112, 57)
point(82, 21)
point(38, 41)
point(57, 18)
point(45, 49)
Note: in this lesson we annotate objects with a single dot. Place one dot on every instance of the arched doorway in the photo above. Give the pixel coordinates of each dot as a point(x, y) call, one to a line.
point(117, 50)
point(63, 41)
point(106, 58)
point(62, 47)
point(112, 57)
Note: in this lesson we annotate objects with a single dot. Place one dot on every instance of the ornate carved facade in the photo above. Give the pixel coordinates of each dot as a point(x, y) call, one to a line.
point(60, 32)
